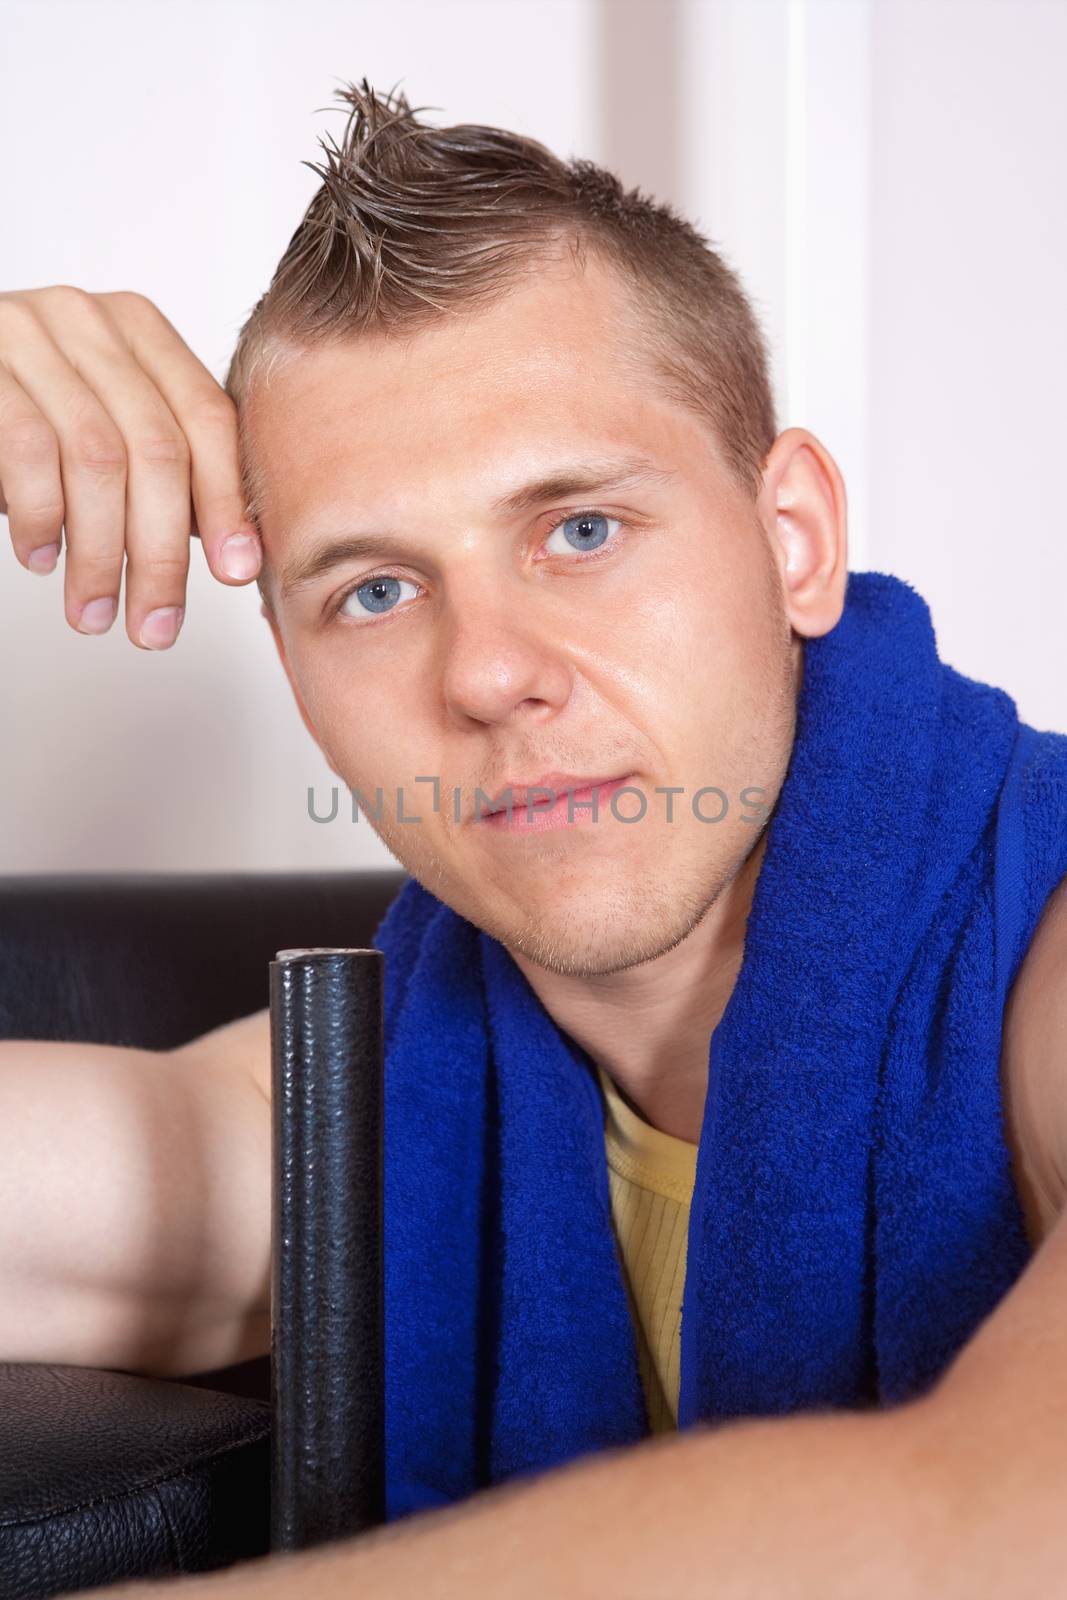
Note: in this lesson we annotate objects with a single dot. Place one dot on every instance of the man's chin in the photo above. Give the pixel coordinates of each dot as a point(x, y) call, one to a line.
point(584, 925)
point(546, 897)
point(585, 952)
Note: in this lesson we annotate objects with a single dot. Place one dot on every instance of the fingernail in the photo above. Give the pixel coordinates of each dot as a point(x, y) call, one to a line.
point(239, 557)
point(98, 615)
point(160, 628)
point(44, 558)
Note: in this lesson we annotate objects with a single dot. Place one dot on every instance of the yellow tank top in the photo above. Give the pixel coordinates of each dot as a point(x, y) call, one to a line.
point(650, 1179)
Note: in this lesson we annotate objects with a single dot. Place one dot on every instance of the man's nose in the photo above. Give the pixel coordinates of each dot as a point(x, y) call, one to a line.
point(497, 660)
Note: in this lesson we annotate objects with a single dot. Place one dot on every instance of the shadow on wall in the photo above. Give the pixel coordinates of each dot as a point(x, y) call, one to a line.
point(639, 50)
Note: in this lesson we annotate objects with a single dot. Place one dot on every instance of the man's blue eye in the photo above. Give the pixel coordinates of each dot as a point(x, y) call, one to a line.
point(373, 596)
point(586, 530)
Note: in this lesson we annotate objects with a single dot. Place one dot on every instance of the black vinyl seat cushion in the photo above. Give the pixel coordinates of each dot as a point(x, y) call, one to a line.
point(106, 1476)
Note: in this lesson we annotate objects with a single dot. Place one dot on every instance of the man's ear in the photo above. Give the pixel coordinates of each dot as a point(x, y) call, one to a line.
point(280, 647)
point(804, 508)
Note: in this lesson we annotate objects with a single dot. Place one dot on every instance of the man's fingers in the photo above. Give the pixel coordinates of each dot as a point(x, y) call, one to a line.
point(92, 469)
point(208, 419)
point(31, 492)
point(113, 433)
point(156, 511)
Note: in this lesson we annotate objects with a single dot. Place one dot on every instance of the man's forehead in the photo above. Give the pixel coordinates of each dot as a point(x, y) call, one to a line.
point(547, 329)
point(375, 392)
point(550, 381)
point(484, 438)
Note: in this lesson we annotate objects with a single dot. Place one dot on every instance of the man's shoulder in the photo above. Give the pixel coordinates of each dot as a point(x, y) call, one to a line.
point(1034, 1068)
point(243, 1045)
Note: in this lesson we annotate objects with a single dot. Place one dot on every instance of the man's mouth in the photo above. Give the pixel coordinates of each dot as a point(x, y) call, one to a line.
point(569, 801)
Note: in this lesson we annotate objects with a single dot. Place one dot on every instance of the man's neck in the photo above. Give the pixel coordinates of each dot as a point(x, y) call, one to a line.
point(649, 1027)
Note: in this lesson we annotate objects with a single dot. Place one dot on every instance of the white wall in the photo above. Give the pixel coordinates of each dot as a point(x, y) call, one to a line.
point(888, 176)
point(885, 174)
point(969, 320)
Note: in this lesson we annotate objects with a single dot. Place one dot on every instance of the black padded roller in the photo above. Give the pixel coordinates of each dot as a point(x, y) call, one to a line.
point(327, 1284)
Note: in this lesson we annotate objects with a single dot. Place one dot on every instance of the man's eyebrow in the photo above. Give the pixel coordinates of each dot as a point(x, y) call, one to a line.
point(587, 478)
point(581, 478)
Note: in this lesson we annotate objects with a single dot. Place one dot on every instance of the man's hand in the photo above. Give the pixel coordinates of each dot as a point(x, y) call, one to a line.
point(111, 428)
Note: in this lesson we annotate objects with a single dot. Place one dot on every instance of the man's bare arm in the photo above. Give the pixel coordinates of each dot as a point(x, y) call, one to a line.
point(135, 1202)
point(957, 1496)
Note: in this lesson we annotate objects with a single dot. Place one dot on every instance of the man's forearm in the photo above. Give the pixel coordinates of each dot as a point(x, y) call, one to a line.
point(830, 1505)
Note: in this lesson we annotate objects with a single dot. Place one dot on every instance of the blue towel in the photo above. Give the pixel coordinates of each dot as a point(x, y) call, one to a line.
point(853, 1218)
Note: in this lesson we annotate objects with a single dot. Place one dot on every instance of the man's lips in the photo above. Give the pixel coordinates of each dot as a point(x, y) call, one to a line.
point(558, 782)
point(569, 804)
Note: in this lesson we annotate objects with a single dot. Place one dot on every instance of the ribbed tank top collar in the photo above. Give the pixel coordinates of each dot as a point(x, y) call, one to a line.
point(646, 1155)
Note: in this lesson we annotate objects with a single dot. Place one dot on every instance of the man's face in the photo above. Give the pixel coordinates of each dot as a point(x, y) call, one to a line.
point(647, 640)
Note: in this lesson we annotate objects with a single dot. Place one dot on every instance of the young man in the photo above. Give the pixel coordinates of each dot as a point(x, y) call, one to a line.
point(525, 519)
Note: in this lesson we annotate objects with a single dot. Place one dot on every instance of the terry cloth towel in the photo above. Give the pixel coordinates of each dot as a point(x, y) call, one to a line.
point(853, 1218)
